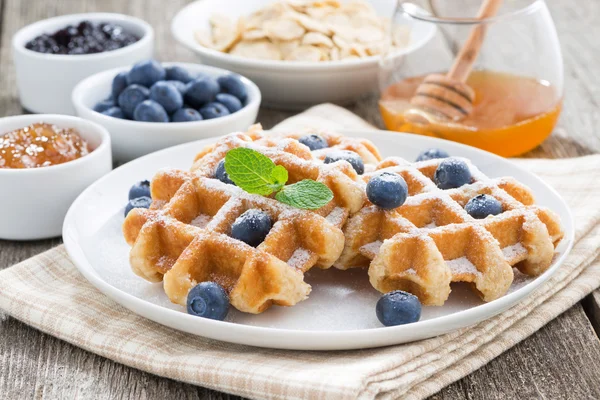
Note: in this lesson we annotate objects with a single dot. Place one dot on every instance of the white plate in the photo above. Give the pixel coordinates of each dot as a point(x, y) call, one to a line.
point(340, 313)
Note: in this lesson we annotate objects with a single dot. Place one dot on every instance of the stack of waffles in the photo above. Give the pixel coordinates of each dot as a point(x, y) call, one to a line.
point(420, 247)
point(183, 239)
point(431, 241)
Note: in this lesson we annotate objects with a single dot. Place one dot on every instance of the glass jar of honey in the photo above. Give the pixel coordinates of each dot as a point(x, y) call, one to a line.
point(516, 80)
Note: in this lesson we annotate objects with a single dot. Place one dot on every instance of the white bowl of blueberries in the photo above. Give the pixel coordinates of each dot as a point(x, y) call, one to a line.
point(151, 106)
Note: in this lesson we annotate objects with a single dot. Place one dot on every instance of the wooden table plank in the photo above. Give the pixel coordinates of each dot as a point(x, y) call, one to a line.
point(36, 365)
point(537, 367)
point(559, 361)
point(591, 305)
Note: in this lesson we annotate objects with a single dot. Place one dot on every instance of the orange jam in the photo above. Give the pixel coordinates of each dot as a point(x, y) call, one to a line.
point(40, 145)
point(511, 114)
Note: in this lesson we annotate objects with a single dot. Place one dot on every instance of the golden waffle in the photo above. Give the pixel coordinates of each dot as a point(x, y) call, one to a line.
point(431, 241)
point(183, 239)
point(284, 149)
point(363, 147)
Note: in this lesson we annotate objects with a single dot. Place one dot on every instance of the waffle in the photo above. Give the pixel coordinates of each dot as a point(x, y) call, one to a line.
point(431, 241)
point(283, 149)
point(363, 147)
point(183, 240)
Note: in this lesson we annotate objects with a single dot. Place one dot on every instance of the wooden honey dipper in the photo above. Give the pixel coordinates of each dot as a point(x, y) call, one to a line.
point(448, 95)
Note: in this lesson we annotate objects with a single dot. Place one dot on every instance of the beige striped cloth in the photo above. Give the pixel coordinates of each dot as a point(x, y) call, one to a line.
point(48, 293)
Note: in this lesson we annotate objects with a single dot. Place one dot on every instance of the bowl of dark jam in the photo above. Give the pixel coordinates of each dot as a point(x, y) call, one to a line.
point(51, 56)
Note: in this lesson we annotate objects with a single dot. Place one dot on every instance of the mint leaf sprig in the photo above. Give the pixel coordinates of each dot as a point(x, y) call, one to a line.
point(257, 174)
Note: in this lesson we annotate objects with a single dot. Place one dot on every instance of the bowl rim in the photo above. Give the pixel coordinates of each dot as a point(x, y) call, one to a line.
point(280, 65)
point(254, 97)
point(20, 38)
point(94, 129)
point(419, 14)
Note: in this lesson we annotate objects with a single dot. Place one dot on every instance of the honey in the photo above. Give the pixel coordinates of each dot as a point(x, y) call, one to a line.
point(40, 145)
point(511, 114)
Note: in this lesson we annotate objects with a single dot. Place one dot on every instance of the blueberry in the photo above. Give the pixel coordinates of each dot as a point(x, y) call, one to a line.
point(146, 73)
point(179, 86)
point(186, 114)
point(346, 155)
point(233, 85)
point(314, 142)
point(140, 189)
point(232, 103)
point(62, 37)
point(131, 97)
point(398, 308)
point(452, 173)
point(167, 96)
point(201, 91)
point(84, 27)
point(150, 111)
point(483, 205)
point(114, 112)
point(175, 73)
point(387, 190)
point(251, 227)
point(140, 202)
point(104, 105)
point(221, 174)
point(119, 84)
point(432, 153)
point(208, 300)
point(213, 110)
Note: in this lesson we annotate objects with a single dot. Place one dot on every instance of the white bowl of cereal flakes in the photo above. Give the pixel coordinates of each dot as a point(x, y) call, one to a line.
point(299, 52)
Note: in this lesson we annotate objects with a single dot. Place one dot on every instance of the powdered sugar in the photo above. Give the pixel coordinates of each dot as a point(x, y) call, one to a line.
point(371, 249)
point(201, 220)
point(337, 216)
point(514, 252)
point(462, 266)
point(217, 185)
point(299, 258)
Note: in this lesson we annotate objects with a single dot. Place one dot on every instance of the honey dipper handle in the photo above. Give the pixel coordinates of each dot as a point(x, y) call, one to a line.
point(468, 54)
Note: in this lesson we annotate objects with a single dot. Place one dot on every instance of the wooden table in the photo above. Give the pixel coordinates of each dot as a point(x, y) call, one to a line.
point(562, 360)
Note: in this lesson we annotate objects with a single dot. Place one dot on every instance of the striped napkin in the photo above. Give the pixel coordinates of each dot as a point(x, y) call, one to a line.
point(48, 293)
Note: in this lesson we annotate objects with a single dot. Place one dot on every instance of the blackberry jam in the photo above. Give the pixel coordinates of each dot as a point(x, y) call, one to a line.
point(85, 38)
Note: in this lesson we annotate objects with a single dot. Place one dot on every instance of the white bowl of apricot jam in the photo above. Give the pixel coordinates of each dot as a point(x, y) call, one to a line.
point(50, 59)
point(46, 161)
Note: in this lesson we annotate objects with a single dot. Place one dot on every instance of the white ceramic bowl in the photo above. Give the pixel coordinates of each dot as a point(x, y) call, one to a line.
point(284, 84)
point(34, 201)
point(132, 139)
point(45, 81)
